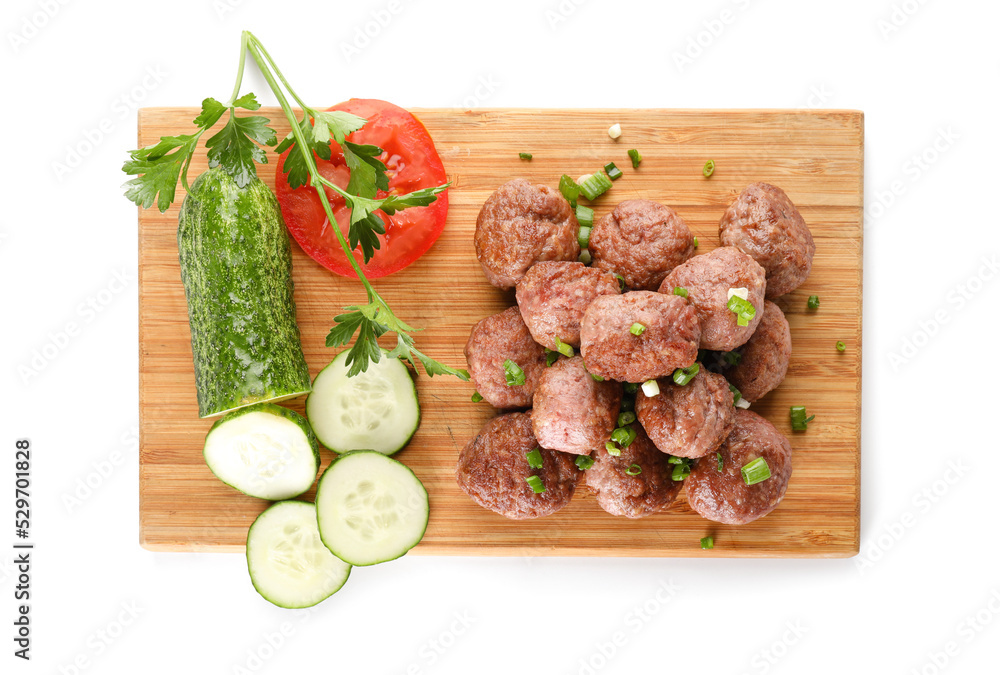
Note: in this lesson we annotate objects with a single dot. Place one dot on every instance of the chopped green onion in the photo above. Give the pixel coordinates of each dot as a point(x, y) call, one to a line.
point(708, 169)
point(736, 394)
point(535, 458)
point(615, 130)
point(551, 356)
point(696, 242)
point(584, 462)
point(718, 458)
point(476, 397)
point(626, 418)
point(563, 348)
point(595, 185)
point(535, 482)
point(637, 329)
point(583, 234)
point(612, 449)
point(569, 189)
point(630, 387)
point(743, 309)
point(621, 282)
point(633, 470)
point(841, 346)
point(584, 257)
point(584, 216)
point(671, 459)
point(682, 468)
point(614, 173)
point(513, 374)
point(799, 420)
point(524, 155)
point(684, 375)
point(681, 291)
point(707, 543)
point(597, 378)
point(623, 436)
point(651, 388)
point(813, 302)
point(756, 471)
point(732, 358)
point(634, 155)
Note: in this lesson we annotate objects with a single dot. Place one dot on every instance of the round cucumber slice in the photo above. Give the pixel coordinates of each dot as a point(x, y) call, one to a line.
point(374, 410)
point(288, 563)
point(370, 508)
point(264, 451)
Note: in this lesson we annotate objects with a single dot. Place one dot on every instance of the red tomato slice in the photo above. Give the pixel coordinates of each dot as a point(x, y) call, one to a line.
point(412, 164)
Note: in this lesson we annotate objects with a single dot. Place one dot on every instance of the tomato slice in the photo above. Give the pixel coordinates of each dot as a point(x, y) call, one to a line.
point(412, 164)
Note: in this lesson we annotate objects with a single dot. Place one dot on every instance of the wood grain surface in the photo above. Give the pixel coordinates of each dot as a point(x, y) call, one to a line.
point(815, 156)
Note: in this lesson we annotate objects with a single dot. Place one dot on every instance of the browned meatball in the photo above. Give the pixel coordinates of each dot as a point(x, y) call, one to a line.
point(553, 296)
point(707, 279)
point(691, 420)
point(494, 340)
point(669, 339)
point(764, 223)
point(650, 490)
point(764, 358)
point(493, 468)
point(723, 496)
point(642, 241)
point(572, 411)
point(521, 224)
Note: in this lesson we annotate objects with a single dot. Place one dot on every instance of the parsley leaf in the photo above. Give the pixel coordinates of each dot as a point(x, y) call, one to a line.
point(157, 169)
point(334, 123)
point(423, 197)
point(235, 148)
point(367, 171)
point(295, 165)
point(405, 350)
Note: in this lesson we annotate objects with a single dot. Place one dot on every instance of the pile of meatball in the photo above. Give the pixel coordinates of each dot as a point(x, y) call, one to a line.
point(582, 337)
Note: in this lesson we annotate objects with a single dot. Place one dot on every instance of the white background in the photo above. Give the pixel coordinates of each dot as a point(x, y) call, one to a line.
point(922, 73)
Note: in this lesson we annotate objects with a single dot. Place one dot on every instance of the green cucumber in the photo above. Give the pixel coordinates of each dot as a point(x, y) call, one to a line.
point(265, 451)
point(237, 271)
point(288, 563)
point(374, 410)
point(370, 508)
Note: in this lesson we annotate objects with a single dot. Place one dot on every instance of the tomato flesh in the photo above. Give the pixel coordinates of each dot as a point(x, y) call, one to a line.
point(412, 163)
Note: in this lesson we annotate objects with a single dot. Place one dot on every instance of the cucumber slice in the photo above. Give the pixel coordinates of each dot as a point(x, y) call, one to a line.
point(374, 410)
point(289, 566)
point(370, 508)
point(264, 451)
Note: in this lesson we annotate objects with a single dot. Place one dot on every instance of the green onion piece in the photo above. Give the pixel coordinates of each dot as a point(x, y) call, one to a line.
point(732, 358)
point(634, 155)
point(584, 257)
point(612, 449)
point(513, 374)
point(524, 155)
point(584, 462)
point(476, 397)
point(708, 169)
point(637, 329)
point(718, 458)
point(743, 309)
point(684, 375)
point(551, 356)
point(707, 543)
point(626, 418)
point(535, 482)
point(621, 282)
point(736, 394)
point(681, 291)
point(696, 242)
point(841, 346)
point(595, 185)
point(630, 387)
point(680, 472)
point(614, 173)
point(563, 348)
point(675, 460)
point(623, 436)
point(569, 189)
point(535, 458)
point(756, 471)
point(651, 388)
point(813, 302)
point(800, 422)
point(633, 470)
point(583, 234)
point(597, 378)
point(584, 216)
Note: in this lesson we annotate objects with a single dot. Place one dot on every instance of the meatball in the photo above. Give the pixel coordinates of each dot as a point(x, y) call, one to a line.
point(494, 340)
point(521, 224)
point(707, 279)
point(553, 296)
point(637, 483)
point(669, 339)
point(572, 411)
point(691, 420)
point(764, 224)
point(493, 469)
point(723, 496)
point(764, 358)
point(642, 241)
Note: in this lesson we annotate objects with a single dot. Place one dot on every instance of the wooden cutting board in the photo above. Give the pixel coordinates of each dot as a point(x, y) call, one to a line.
point(815, 156)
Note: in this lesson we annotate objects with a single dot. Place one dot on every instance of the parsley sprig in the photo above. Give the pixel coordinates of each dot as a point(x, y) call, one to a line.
point(236, 148)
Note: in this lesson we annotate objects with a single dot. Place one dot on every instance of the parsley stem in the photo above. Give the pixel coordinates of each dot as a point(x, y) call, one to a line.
point(277, 71)
point(239, 73)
